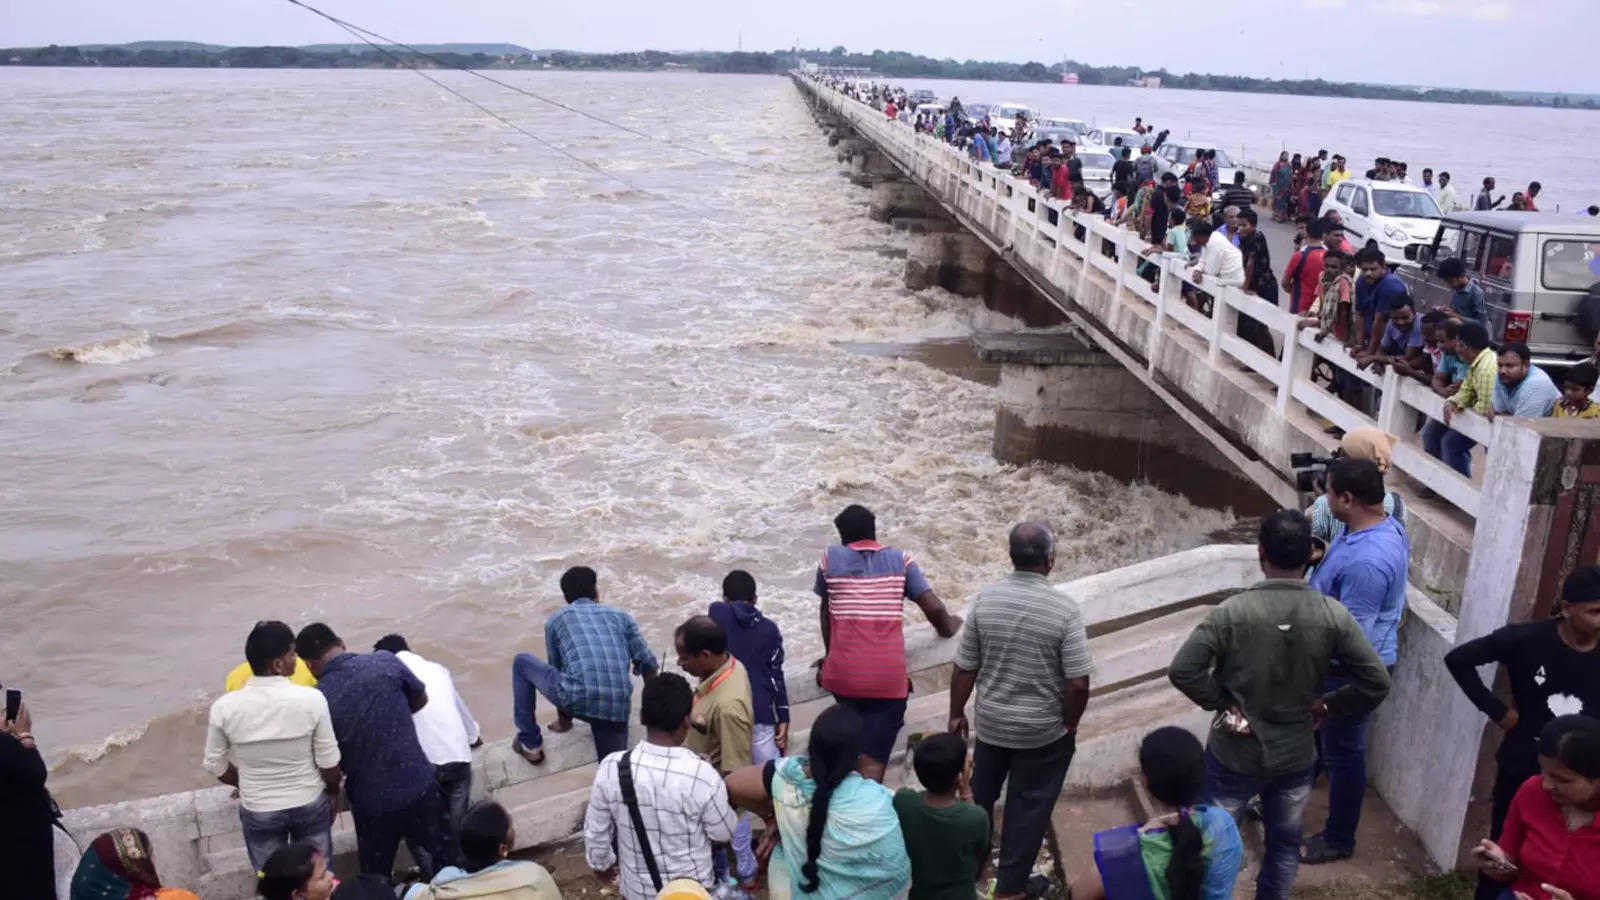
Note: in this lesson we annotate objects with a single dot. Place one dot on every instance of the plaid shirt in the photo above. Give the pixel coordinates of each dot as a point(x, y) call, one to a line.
point(592, 645)
point(1477, 389)
point(683, 804)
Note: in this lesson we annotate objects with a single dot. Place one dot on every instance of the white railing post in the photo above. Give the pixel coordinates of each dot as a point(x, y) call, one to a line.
point(1297, 362)
point(1158, 324)
point(1389, 403)
point(1085, 263)
point(1219, 313)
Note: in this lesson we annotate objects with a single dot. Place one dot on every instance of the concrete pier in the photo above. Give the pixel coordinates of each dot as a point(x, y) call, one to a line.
point(1063, 400)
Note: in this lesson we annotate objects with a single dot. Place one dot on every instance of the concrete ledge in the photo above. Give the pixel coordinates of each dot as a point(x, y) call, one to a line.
point(1059, 347)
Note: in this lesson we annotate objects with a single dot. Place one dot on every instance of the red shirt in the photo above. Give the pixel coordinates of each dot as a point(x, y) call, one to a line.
point(1536, 836)
point(1306, 266)
point(866, 585)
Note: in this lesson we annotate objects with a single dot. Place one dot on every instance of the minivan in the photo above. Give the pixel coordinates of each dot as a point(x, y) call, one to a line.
point(1540, 273)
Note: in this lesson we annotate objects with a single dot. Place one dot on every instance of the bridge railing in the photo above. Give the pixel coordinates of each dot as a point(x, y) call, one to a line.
point(1065, 244)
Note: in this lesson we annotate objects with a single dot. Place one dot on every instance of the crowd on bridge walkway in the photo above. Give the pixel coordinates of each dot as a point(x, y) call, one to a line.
point(1351, 294)
point(1291, 668)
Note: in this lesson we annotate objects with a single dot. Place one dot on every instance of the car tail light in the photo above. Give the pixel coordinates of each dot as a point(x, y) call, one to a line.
point(1517, 324)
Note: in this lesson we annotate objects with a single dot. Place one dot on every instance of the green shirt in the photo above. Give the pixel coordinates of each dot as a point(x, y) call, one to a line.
point(947, 846)
point(1268, 650)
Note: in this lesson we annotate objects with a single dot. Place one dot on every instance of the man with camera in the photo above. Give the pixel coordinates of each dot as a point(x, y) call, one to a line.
point(1364, 569)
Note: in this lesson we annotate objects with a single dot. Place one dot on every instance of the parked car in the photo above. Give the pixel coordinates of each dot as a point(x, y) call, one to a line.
point(1175, 157)
point(1106, 137)
point(1096, 170)
point(1399, 216)
point(1540, 273)
point(1078, 127)
point(975, 112)
point(921, 96)
point(1004, 115)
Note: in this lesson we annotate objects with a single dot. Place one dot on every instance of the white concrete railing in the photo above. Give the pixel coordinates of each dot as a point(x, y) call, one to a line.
point(196, 834)
point(1042, 231)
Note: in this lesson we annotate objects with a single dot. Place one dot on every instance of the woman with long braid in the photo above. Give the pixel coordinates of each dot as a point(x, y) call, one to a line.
point(837, 833)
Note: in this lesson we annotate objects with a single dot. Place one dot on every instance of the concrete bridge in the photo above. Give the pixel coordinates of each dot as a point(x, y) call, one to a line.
point(1137, 370)
point(1487, 551)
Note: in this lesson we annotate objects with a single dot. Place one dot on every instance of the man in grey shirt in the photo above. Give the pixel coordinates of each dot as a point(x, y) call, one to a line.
point(1025, 650)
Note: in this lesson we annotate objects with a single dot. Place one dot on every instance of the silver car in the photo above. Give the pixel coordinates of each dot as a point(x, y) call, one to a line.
point(1540, 273)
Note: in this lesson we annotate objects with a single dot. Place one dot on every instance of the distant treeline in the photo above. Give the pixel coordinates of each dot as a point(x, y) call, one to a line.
point(200, 57)
point(893, 64)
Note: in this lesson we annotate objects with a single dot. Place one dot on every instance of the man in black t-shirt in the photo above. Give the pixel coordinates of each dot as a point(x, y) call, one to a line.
point(1553, 668)
point(1122, 170)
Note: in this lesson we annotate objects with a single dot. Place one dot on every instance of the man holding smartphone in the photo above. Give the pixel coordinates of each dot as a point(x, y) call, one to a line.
point(27, 814)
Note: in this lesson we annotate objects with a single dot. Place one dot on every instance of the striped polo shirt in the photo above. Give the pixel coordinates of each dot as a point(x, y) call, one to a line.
point(1025, 639)
point(865, 584)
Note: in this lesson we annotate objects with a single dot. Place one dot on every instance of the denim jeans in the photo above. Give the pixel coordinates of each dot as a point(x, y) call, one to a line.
point(763, 747)
point(1452, 447)
point(1343, 740)
point(1283, 808)
point(265, 832)
point(532, 676)
point(1033, 780)
point(455, 783)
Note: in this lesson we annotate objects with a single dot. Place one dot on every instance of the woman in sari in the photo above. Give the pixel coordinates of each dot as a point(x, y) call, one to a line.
point(1309, 198)
point(837, 833)
point(119, 866)
point(1282, 171)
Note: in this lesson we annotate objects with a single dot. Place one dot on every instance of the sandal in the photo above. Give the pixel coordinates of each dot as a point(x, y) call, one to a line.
point(535, 756)
point(1319, 850)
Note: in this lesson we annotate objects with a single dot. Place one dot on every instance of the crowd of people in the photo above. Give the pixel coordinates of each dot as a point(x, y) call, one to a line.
point(1292, 669)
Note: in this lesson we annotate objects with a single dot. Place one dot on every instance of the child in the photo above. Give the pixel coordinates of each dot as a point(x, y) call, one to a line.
point(1199, 202)
point(1178, 233)
point(946, 836)
point(755, 641)
point(1576, 386)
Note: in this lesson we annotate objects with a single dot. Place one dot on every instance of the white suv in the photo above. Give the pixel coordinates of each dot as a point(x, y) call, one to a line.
point(1395, 214)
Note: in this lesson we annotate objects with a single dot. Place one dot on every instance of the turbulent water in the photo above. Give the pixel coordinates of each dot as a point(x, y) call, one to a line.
point(334, 345)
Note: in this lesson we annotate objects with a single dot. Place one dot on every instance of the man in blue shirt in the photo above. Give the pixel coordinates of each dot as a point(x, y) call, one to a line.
point(1364, 569)
point(1523, 389)
point(590, 649)
point(1377, 292)
point(1466, 297)
point(393, 790)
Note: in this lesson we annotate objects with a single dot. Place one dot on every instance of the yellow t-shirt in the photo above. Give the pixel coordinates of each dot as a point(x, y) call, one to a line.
point(1592, 411)
point(241, 673)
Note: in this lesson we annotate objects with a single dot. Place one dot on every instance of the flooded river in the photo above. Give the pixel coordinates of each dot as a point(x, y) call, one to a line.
point(333, 345)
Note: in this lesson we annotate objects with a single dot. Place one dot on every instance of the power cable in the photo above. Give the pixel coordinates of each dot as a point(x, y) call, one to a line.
point(364, 33)
point(361, 34)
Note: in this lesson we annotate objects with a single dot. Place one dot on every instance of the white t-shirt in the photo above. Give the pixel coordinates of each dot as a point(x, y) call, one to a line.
point(445, 727)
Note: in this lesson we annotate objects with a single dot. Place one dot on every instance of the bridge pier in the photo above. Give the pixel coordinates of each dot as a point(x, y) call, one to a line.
point(1063, 400)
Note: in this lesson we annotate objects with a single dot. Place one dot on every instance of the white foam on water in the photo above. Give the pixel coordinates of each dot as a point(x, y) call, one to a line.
point(109, 352)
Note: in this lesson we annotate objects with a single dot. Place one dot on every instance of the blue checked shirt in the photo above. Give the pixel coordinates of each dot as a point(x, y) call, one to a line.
point(593, 646)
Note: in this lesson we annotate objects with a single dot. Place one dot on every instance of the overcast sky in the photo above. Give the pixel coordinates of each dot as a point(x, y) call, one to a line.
point(1517, 44)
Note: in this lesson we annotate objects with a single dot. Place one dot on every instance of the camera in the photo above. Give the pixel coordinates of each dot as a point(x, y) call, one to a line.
point(1311, 471)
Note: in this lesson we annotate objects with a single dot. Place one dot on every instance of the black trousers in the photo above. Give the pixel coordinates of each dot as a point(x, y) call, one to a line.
point(425, 823)
point(1506, 782)
point(1033, 780)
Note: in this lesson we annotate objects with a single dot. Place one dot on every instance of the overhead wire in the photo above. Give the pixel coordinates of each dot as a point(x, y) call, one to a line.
point(365, 33)
point(361, 34)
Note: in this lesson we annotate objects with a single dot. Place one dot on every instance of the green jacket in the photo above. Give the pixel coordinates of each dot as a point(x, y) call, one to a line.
point(1268, 650)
